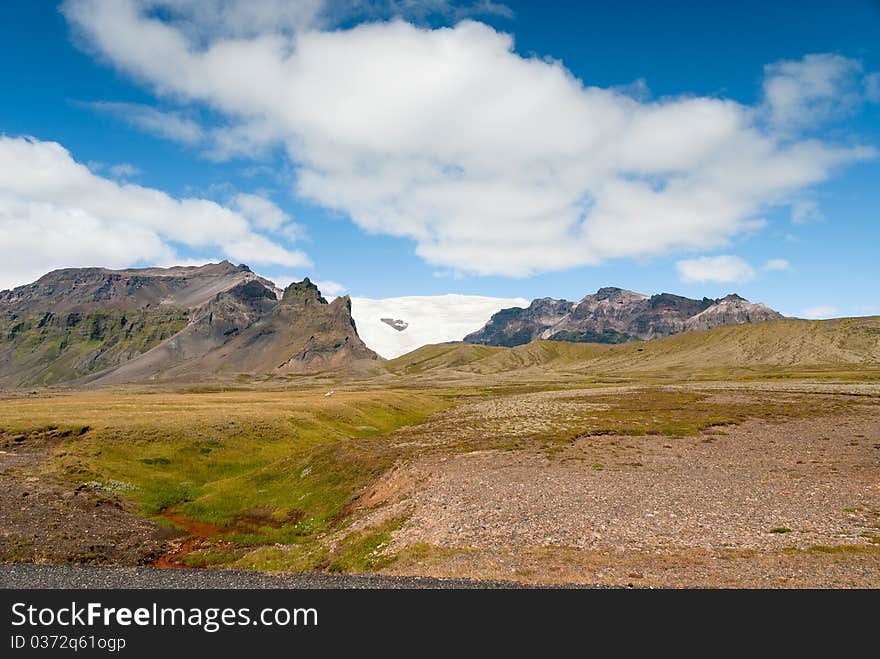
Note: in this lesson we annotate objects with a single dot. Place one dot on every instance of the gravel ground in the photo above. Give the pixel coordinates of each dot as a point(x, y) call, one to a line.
point(723, 489)
point(764, 503)
point(84, 576)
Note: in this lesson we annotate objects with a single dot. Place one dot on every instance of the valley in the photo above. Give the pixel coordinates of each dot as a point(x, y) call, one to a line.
point(263, 435)
point(759, 483)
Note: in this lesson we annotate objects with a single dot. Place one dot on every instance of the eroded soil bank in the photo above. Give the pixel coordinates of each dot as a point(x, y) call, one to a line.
point(44, 519)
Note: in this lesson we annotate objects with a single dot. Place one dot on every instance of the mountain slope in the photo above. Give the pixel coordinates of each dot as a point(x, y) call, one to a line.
point(615, 315)
point(95, 324)
point(515, 326)
point(246, 330)
point(730, 310)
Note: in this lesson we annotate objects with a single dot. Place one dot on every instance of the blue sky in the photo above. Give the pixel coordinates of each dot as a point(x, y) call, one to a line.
point(510, 177)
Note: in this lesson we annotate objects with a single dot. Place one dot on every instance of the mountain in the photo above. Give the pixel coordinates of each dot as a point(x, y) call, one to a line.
point(615, 315)
point(397, 325)
point(217, 320)
point(90, 289)
point(730, 310)
point(515, 326)
point(776, 347)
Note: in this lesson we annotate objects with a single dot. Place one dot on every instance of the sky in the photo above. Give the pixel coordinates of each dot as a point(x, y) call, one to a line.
point(427, 147)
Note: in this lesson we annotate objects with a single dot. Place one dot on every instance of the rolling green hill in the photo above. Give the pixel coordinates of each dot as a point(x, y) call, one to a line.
point(788, 345)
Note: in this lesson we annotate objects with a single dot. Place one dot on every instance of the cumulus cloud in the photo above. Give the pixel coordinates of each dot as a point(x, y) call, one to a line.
point(493, 163)
point(263, 212)
point(821, 86)
point(821, 311)
point(779, 265)
point(725, 268)
point(55, 212)
point(167, 125)
point(203, 20)
point(428, 318)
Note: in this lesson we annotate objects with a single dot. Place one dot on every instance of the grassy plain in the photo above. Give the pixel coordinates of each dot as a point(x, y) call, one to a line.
point(272, 479)
point(262, 466)
point(278, 475)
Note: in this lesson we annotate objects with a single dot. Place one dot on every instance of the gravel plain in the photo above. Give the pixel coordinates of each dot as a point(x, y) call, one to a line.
point(766, 502)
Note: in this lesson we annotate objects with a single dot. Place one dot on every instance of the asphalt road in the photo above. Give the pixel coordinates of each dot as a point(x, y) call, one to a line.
point(26, 575)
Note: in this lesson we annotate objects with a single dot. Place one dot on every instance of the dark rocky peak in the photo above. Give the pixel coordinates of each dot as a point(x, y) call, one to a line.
point(395, 323)
point(342, 300)
point(249, 291)
point(544, 302)
point(302, 293)
point(543, 308)
point(612, 294)
point(70, 274)
point(225, 266)
point(677, 303)
point(89, 289)
point(615, 315)
point(607, 292)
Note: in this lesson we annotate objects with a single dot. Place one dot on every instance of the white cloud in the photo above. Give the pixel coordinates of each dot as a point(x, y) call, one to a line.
point(493, 163)
point(803, 93)
point(821, 311)
point(725, 268)
point(331, 288)
point(430, 319)
point(780, 265)
point(168, 125)
point(55, 212)
point(261, 211)
point(239, 19)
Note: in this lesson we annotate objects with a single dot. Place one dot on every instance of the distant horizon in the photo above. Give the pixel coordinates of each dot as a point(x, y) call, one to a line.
point(515, 150)
point(522, 302)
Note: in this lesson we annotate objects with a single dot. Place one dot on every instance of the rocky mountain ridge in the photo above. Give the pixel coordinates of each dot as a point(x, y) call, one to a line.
point(217, 320)
point(86, 289)
point(615, 315)
point(222, 321)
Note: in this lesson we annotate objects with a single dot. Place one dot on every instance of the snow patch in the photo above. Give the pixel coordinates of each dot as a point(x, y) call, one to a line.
point(429, 319)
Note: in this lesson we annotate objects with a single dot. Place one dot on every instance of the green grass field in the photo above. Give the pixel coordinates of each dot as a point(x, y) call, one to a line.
point(265, 466)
